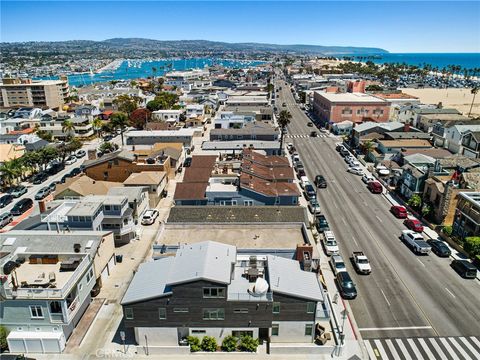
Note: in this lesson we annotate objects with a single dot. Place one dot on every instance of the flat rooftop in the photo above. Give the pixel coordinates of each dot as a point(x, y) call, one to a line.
point(351, 97)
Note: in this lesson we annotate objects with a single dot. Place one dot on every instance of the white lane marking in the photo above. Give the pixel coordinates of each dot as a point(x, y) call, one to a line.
point(420, 261)
point(343, 219)
point(380, 348)
point(365, 203)
point(450, 293)
point(438, 349)
point(470, 347)
point(417, 352)
point(475, 340)
point(459, 348)
point(451, 352)
point(426, 348)
point(402, 347)
point(378, 218)
point(370, 352)
point(354, 240)
point(396, 328)
point(388, 302)
point(392, 349)
point(335, 203)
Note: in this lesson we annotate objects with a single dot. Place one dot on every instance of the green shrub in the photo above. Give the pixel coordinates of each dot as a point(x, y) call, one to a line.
point(209, 344)
point(415, 201)
point(194, 343)
point(229, 343)
point(447, 230)
point(248, 343)
point(3, 338)
point(472, 245)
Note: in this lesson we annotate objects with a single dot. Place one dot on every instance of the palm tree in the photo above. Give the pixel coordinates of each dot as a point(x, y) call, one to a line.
point(68, 127)
point(10, 171)
point(474, 91)
point(119, 121)
point(283, 120)
point(367, 146)
point(97, 125)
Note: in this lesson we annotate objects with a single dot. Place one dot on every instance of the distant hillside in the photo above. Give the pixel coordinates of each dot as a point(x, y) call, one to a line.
point(127, 45)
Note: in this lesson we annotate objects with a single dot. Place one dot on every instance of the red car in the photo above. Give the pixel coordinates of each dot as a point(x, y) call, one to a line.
point(414, 224)
point(375, 187)
point(399, 211)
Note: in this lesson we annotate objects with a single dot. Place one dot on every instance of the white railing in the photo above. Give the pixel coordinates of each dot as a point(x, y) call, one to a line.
point(247, 297)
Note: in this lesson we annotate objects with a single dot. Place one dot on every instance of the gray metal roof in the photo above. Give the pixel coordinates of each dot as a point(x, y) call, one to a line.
point(239, 145)
point(287, 278)
point(150, 281)
point(207, 260)
point(132, 192)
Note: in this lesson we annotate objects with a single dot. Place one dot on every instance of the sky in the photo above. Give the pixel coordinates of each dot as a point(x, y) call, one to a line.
point(397, 26)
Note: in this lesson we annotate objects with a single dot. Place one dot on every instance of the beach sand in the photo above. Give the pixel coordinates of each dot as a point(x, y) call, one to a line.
point(459, 99)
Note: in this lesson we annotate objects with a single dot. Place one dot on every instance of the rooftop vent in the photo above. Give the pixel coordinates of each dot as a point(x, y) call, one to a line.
point(77, 247)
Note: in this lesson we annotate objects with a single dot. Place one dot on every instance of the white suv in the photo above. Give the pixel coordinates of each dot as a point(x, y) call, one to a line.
point(337, 264)
point(149, 217)
point(330, 243)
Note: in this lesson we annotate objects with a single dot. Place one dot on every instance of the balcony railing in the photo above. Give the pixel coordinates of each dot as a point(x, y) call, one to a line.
point(247, 297)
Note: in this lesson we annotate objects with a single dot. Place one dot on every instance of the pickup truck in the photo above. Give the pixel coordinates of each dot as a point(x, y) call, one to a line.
point(416, 242)
point(361, 263)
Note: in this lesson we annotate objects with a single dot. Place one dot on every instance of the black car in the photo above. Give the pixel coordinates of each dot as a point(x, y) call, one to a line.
point(5, 200)
point(310, 191)
point(187, 162)
point(439, 248)
point(65, 177)
point(55, 168)
point(321, 223)
point(464, 268)
point(75, 171)
point(40, 178)
point(313, 134)
point(309, 124)
point(300, 172)
point(21, 206)
point(320, 181)
point(346, 287)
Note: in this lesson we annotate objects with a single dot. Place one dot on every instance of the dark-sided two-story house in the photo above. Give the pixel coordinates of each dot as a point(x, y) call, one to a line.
point(471, 144)
point(209, 288)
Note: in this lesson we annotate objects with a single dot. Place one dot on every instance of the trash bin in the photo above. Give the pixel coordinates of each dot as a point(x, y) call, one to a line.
point(119, 258)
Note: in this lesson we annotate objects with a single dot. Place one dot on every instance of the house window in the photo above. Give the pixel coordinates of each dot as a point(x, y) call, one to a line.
point(275, 329)
point(55, 307)
point(115, 162)
point(308, 329)
point(162, 313)
point(248, 202)
point(239, 333)
point(105, 175)
point(180, 310)
point(213, 292)
point(199, 331)
point(234, 202)
point(110, 163)
point(240, 311)
point(213, 314)
point(276, 308)
point(36, 312)
point(107, 207)
point(129, 313)
point(310, 307)
point(90, 275)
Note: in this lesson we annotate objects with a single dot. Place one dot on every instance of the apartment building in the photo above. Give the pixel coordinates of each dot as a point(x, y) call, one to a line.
point(214, 289)
point(228, 120)
point(467, 215)
point(83, 127)
point(35, 93)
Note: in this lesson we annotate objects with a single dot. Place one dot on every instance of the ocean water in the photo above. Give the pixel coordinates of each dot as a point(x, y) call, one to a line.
point(440, 60)
point(134, 69)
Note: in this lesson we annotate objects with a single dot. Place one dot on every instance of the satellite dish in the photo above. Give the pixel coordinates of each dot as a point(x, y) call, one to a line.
point(259, 288)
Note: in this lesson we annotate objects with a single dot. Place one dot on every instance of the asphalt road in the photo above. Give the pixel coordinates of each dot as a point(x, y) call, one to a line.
point(406, 295)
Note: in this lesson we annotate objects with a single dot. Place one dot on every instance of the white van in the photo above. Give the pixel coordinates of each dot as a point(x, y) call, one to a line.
point(304, 181)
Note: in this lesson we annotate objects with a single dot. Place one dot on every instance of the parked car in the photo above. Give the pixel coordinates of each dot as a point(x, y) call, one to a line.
point(53, 186)
point(439, 248)
point(355, 170)
point(337, 264)
point(310, 124)
point(5, 200)
point(40, 178)
point(22, 206)
point(414, 224)
point(330, 243)
point(298, 164)
point(415, 242)
point(367, 178)
point(304, 181)
point(349, 158)
point(320, 181)
point(75, 171)
point(300, 172)
point(70, 160)
point(313, 134)
point(65, 177)
point(80, 154)
point(149, 216)
point(464, 268)
point(375, 187)
point(399, 211)
point(55, 167)
point(187, 162)
point(42, 193)
point(284, 104)
point(345, 284)
point(314, 206)
point(382, 170)
point(310, 192)
point(354, 163)
point(17, 191)
point(321, 223)
point(5, 219)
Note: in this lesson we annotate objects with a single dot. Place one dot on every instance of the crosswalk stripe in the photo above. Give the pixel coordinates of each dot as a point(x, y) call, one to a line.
point(392, 349)
point(380, 348)
point(460, 349)
point(470, 347)
point(475, 341)
point(451, 352)
point(438, 349)
point(425, 348)
point(417, 352)
point(370, 352)
point(403, 348)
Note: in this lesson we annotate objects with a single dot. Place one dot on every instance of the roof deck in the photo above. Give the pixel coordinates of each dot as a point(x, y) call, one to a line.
point(242, 285)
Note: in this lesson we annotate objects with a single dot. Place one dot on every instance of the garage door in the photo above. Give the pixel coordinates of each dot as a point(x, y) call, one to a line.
point(104, 274)
point(51, 346)
point(16, 346)
point(111, 264)
point(34, 345)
